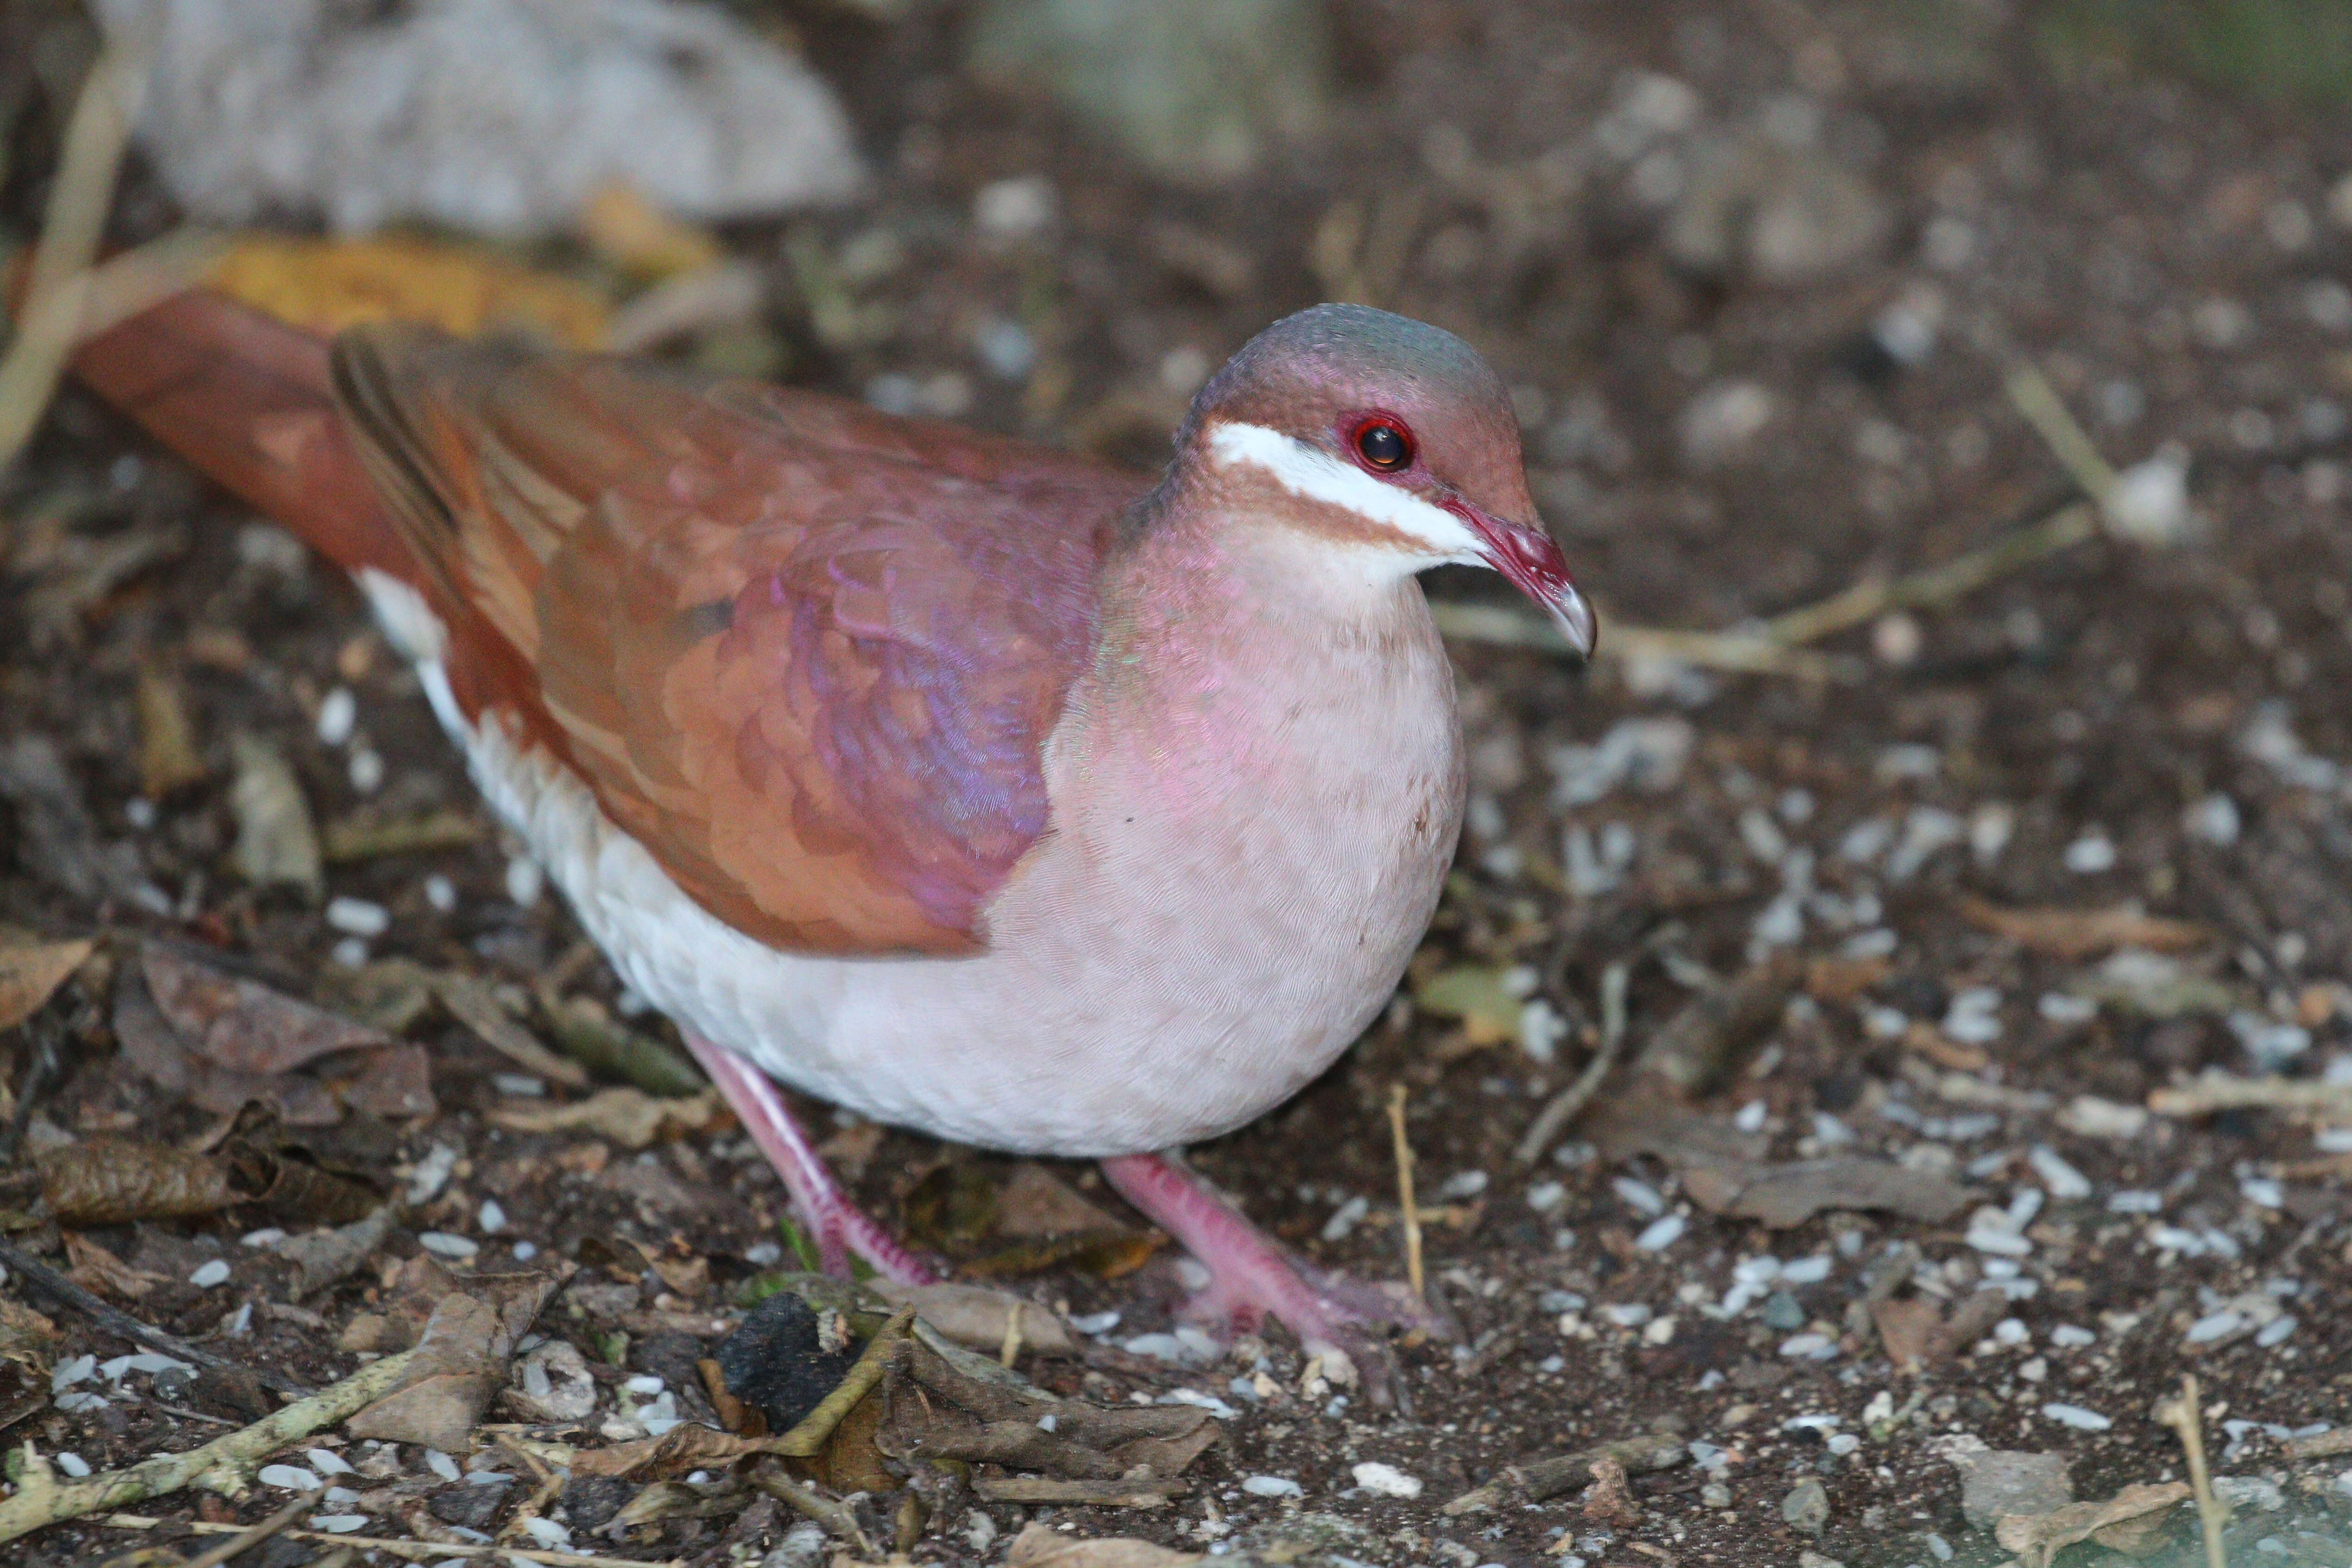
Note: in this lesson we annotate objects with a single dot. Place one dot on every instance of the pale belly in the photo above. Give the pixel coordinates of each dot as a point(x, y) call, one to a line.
point(1164, 966)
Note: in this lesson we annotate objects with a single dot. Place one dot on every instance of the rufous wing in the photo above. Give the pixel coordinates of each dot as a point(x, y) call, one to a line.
point(806, 653)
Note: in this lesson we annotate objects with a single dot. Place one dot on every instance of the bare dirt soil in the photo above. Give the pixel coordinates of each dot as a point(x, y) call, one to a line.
point(1760, 274)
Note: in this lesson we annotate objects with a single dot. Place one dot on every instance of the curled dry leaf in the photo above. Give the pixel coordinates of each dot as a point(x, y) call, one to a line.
point(26, 1336)
point(322, 1257)
point(2084, 933)
point(93, 1268)
point(1041, 1546)
point(2130, 1515)
point(167, 740)
point(460, 1361)
point(1789, 1195)
point(629, 1117)
point(112, 1181)
point(31, 971)
point(593, 1037)
point(474, 1004)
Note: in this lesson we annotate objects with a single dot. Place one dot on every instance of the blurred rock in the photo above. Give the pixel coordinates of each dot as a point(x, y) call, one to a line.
point(1776, 214)
point(1196, 91)
point(503, 116)
point(2000, 1481)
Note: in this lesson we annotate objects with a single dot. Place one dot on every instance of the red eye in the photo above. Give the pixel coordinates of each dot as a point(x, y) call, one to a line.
point(1384, 444)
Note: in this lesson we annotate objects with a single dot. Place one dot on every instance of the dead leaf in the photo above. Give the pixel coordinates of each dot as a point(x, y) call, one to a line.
point(243, 1024)
point(1699, 1043)
point(1479, 996)
point(112, 1181)
point(394, 1083)
point(475, 1005)
point(326, 285)
point(1908, 1329)
point(93, 1268)
point(31, 971)
point(275, 841)
point(636, 235)
point(1607, 1500)
point(167, 741)
point(679, 1450)
point(1104, 1254)
point(1789, 1195)
point(1035, 1201)
point(355, 840)
point(1040, 1545)
point(322, 1257)
point(629, 1117)
point(976, 1316)
point(461, 1359)
point(1841, 980)
point(155, 1051)
point(26, 1336)
point(2083, 933)
point(389, 994)
point(2037, 1538)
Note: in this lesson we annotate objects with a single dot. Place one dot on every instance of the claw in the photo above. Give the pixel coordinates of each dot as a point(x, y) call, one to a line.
point(1253, 1276)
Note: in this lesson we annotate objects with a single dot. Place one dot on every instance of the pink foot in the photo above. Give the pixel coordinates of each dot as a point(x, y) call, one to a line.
point(839, 1227)
point(1253, 1276)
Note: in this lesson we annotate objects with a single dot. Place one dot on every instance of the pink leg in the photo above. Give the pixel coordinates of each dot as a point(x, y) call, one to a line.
point(1251, 1274)
point(839, 1227)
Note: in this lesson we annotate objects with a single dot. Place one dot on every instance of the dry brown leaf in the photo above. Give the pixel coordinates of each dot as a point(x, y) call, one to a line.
point(326, 285)
point(629, 1117)
point(474, 1004)
point(2037, 1538)
point(975, 1316)
point(638, 236)
point(1909, 1330)
point(2083, 933)
point(1035, 1201)
point(93, 1268)
point(155, 1051)
point(113, 1180)
point(1789, 1195)
point(31, 971)
point(275, 840)
point(1041, 1546)
point(242, 1024)
point(167, 740)
point(461, 1360)
point(25, 1336)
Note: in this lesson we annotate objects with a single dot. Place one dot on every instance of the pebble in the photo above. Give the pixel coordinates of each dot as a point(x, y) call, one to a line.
point(493, 1218)
point(1386, 1480)
point(441, 1464)
point(290, 1477)
point(1546, 1196)
point(441, 893)
point(208, 1274)
point(342, 1523)
point(326, 1462)
point(446, 1244)
point(525, 882)
point(1627, 1314)
point(2066, 1008)
point(1015, 209)
point(2275, 1332)
point(1809, 1347)
point(73, 1464)
point(1810, 1270)
point(2076, 1416)
point(1345, 1218)
point(1639, 1196)
point(366, 771)
point(547, 1533)
point(1272, 1486)
point(1096, 1322)
point(1783, 1312)
point(2136, 1200)
point(1807, 1506)
point(2068, 1336)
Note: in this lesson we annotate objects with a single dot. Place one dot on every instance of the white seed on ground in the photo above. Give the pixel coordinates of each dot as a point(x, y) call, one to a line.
point(290, 1477)
point(446, 1244)
point(441, 1464)
point(338, 714)
point(1272, 1486)
point(73, 1464)
point(326, 1462)
point(2064, 1183)
point(337, 1523)
point(367, 771)
point(441, 893)
point(2076, 1416)
point(358, 917)
point(493, 1217)
point(1662, 1233)
point(212, 1272)
point(1386, 1480)
point(525, 882)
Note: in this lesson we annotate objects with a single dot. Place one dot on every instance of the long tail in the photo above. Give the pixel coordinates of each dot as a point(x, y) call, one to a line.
point(248, 401)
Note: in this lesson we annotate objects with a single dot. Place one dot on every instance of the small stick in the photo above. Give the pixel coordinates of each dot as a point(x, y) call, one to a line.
point(70, 231)
point(220, 1465)
point(2031, 393)
point(49, 1282)
point(1566, 1105)
point(245, 1541)
point(807, 1500)
point(2185, 1416)
point(1406, 1208)
point(437, 1549)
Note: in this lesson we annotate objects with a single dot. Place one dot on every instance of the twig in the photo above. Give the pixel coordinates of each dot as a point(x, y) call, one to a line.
point(1122, 1493)
point(2318, 1446)
point(70, 231)
point(1409, 1212)
point(807, 1500)
point(2031, 393)
point(1569, 1102)
point(2185, 1416)
point(437, 1549)
point(245, 1541)
point(49, 1282)
point(1537, 1479)
point(1940, 585)
point(2219, 1090)
point(219, 1466)
point(1506, 625)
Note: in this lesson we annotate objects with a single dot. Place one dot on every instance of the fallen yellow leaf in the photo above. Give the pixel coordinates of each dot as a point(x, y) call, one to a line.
point(327, 285)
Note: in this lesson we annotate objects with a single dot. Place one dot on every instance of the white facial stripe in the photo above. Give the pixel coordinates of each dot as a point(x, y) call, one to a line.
point(1317, 475)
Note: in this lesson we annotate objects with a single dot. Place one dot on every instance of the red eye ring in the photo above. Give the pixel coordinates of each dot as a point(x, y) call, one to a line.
point(1381, 442)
